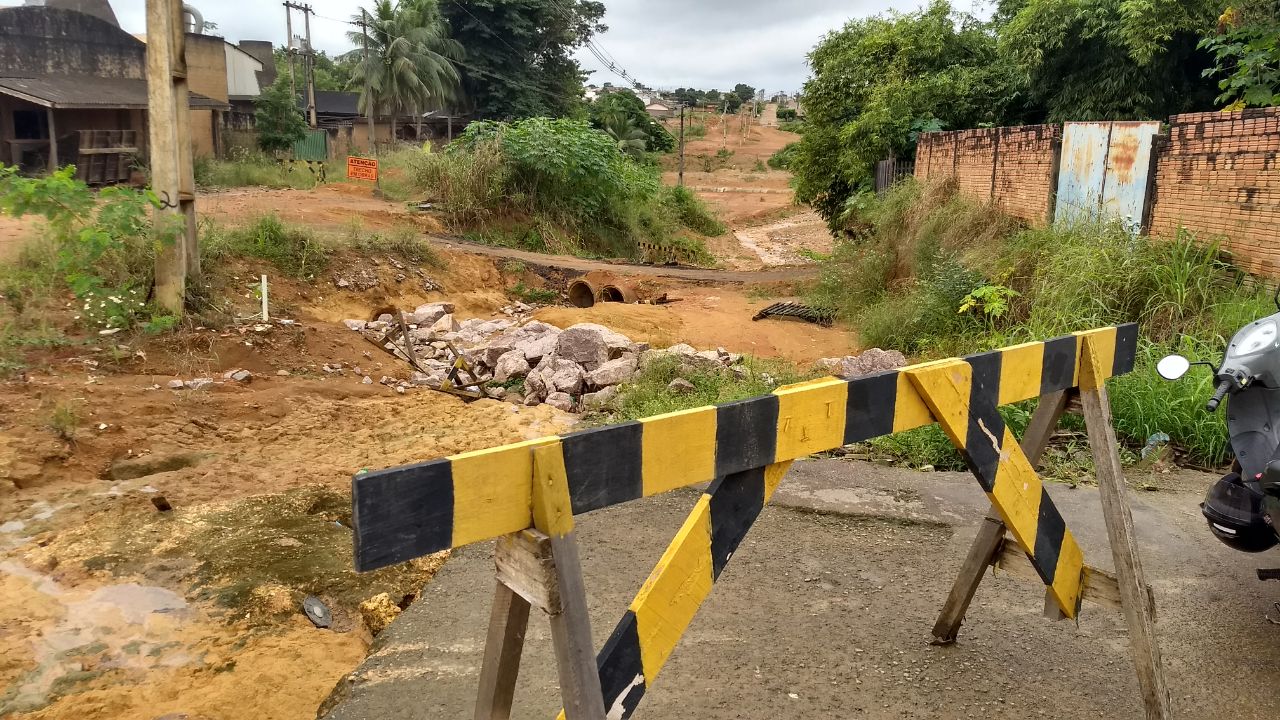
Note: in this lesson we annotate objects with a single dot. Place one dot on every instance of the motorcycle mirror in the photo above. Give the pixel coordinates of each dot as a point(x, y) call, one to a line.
point(1173, 367)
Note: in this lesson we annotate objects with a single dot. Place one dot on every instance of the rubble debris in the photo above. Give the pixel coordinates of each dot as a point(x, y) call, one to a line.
point(521, 361)
point(198, 383)
point(796, 311)
point(176, 384)
point(161, 503)
point(378, 612)
point(238, 375)
point(870, 361)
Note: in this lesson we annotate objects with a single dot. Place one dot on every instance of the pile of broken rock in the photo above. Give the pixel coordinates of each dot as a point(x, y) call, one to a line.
point(531, 362)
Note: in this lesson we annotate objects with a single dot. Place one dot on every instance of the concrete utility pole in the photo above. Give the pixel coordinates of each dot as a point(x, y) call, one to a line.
point(288, 49)
point(308, 60)
point(172, 173)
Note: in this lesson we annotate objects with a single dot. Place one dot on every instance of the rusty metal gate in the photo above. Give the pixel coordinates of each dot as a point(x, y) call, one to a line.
point(313, 147)
point(1105, 172)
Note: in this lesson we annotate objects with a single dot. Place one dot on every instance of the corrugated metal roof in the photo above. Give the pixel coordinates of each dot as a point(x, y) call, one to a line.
point(74, 91)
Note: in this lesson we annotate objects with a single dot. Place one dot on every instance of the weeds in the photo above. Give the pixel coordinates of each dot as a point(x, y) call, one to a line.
point(64, 420)
point(256, 169)
point(534, 296)
point(648, 394)
point(293, 250)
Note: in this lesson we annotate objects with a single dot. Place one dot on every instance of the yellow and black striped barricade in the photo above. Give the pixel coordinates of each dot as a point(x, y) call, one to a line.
point(743, 449)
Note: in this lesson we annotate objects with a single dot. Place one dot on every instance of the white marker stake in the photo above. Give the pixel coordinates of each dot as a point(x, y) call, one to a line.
point(266, 317)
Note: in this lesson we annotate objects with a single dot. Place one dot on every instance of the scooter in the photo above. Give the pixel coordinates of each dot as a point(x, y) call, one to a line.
point(1244, 505)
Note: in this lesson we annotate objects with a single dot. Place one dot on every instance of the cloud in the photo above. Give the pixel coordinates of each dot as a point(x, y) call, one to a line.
point(662, 43)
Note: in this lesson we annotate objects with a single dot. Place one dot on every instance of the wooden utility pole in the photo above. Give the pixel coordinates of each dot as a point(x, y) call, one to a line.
point(681, 180)
point(172, 173)
point(368, 89)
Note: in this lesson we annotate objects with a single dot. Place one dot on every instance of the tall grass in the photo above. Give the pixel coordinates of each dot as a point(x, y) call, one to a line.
point(923, 252)
point(256, 169)
point(292, 249)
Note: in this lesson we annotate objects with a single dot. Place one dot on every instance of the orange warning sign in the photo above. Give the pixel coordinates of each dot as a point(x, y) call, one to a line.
point(362, 169)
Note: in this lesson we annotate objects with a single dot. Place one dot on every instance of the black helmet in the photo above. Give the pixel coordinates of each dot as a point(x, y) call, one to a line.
point(1235, 514)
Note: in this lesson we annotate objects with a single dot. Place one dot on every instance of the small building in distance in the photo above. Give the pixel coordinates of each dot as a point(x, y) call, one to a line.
point(73, 89)
point(659, 110)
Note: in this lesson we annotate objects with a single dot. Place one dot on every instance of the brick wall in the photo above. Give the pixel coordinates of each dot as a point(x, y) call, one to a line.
point(1218, 175)
point(1026, 171)
point(1013, 166)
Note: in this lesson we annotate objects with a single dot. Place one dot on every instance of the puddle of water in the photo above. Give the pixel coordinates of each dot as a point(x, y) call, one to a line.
point(126, 625)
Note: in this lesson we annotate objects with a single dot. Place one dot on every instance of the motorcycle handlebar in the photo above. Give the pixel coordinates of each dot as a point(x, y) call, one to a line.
point(1224, 387)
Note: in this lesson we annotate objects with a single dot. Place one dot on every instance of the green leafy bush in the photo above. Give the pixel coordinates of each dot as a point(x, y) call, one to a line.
point(787, 114)
point(556, 185)
point(781, 160)
point(100, 246)
point(691, 212)
point(278, 121)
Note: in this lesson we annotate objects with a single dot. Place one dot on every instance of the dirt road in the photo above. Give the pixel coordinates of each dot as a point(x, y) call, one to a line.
point(567, 262)
point(825, 613)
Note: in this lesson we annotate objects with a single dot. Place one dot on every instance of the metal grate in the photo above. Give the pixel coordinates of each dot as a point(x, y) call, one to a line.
point(796, 311)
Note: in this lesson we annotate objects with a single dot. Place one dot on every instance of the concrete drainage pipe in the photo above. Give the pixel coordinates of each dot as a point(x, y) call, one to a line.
point(618, 293)
point(583, 294)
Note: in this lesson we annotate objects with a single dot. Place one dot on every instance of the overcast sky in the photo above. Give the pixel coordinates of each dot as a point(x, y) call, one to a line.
point(662, 43)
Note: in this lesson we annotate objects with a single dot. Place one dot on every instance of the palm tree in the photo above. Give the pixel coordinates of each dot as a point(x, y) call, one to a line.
point(631, 140)
point(409, 64)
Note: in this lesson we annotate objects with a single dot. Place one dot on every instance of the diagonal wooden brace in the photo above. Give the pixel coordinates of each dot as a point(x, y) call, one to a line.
point(986, 546)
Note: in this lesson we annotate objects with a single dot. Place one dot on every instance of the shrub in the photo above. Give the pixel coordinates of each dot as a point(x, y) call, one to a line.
point(692, 212)
point(781, 160)
point(555, 184)
point(647, 395)
point(786, 113)
point(695, 130)
point(99, 246)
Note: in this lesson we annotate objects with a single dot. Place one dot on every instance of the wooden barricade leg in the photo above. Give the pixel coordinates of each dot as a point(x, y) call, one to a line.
point(541, 568)
point(505, 642)
point(986, 546)
point(1138, 613)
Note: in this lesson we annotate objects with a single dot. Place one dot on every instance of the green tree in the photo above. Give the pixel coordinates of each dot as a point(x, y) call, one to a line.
point(1109, 59)
point(623, 107)
point(332, 73)
point(745, 92)
point(879, 81)
point(280, 124)
point(409, 67)
point(519, 54)
point(1246, 51)
point(631, 140)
